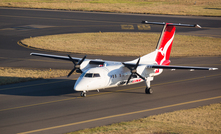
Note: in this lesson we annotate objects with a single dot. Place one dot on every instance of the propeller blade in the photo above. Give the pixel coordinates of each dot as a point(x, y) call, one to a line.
point(134, 71)
point(127, 66)
point(79, 63)
point(71, 59)
point(140, 76)
point(129, 79)
point(71, 71)
point(76, 66)
point(137, 63)
point(79, 71)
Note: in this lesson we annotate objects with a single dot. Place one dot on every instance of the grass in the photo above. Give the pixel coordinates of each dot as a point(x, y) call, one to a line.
point(174, 7)
point(15, 75)
point(205, 119)
point(201, 120)
point(125, 44)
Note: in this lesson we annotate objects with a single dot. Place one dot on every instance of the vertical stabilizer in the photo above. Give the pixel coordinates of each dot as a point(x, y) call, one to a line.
point(163, 49)
point(165, 44)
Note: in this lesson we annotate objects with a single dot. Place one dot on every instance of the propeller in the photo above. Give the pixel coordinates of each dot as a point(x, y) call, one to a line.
point(133, 71)
point(76, 65)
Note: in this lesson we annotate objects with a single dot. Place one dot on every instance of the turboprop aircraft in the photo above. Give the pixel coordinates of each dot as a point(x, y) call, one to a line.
point(100, 74)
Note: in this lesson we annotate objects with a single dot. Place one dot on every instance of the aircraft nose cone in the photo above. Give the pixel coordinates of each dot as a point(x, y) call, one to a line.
point(77, 87)
point(80, 86)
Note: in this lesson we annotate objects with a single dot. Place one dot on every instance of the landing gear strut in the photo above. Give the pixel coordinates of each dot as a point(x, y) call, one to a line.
point(83, 94)
point(148, 90)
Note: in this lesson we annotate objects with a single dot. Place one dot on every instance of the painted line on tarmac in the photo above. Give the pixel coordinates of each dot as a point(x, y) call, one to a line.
point(37, 104)
point(72, 98)
point(173, 82)
point(139, 27)
point(119, 115)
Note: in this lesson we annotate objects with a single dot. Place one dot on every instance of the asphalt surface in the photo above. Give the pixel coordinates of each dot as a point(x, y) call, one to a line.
point(51, 106)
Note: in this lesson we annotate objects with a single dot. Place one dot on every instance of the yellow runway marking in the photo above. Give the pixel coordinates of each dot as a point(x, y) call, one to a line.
point(95, 94)
point(188, 79)
point(37, 104)
point(143, 27)
point(119, 115)
point(57, 100)
point(127, 27)
point(170, 82)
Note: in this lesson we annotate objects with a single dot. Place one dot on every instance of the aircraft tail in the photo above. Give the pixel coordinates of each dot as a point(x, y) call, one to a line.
point(163, 49)
point(165, 44)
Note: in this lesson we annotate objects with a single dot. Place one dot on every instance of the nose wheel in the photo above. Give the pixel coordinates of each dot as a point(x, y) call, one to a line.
point(83, 94)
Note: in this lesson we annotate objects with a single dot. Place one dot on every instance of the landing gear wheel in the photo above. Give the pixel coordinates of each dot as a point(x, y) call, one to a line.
point(148, 91)
point(83, 94)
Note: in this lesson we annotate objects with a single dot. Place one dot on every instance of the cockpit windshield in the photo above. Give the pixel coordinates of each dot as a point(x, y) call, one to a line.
point(92, 75)
point(88, 75)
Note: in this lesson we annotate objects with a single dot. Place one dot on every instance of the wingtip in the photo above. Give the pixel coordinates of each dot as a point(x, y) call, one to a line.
point(198, 26)
point(213, 69)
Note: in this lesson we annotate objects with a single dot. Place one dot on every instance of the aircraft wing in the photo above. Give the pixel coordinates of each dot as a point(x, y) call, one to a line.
point(96, 62)
point(171, 67)
point(181, 67)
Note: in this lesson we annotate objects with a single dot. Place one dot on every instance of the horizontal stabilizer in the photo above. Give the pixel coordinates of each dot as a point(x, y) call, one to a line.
point(172, 24)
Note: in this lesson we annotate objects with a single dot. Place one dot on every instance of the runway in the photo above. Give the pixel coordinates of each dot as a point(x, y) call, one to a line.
point(51, 106)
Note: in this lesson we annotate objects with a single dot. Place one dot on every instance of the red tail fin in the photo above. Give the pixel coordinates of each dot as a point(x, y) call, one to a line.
point(165, 44)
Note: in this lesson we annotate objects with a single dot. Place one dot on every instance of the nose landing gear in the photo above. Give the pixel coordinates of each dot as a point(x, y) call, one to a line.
point(83, 94)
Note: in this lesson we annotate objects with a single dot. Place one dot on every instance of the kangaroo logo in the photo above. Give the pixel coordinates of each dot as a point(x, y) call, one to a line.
point(162, 52)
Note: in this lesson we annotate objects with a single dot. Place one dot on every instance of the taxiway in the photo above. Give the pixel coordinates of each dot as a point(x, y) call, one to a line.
point(51, 105)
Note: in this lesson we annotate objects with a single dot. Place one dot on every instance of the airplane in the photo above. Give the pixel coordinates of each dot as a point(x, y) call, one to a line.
point(98, 74)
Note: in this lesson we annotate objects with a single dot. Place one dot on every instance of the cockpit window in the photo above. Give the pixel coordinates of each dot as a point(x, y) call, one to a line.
point(88, 75)
point(96, 75)
point(91, 75)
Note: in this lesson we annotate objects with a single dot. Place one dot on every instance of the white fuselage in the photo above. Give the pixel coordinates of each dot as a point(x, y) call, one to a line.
point(110, 76)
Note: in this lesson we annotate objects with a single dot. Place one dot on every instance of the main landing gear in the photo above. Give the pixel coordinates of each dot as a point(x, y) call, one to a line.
point(148, 91)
